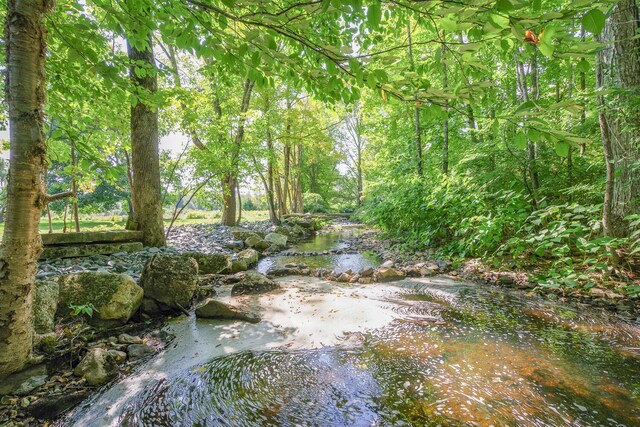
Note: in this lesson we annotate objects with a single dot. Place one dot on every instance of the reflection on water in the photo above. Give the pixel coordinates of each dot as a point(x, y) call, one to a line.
point(323, 242)
point(483, 358)
point(338, 263)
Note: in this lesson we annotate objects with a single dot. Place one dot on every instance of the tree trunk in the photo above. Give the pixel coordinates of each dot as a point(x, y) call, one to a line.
point(416, 112)
point(445, 122)
point(25, 42)
point(145, 158)
point(74, 187)
point(532, 145)
point(229, 200)
point(239, 220)
point(131, 218)
point(619, 68)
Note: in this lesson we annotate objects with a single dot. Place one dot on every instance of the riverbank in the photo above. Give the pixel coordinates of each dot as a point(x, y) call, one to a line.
point(604, 294)
point(344, 257)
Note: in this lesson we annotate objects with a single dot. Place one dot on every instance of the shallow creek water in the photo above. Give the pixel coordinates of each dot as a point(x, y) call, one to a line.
point(419, 352)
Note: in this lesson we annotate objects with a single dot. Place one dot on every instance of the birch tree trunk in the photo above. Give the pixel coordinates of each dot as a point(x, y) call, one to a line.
point(25, 41)
point(619, 68)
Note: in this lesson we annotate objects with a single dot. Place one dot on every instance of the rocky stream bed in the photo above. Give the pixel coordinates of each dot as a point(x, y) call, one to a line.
point(297, 325)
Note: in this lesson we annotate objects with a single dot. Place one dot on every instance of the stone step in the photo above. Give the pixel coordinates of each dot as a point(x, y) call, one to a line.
point(91, 237)
point(73, 251)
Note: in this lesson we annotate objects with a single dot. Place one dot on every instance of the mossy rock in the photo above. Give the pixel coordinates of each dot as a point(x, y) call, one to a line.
point(115, 297)
point(171, 280)
point(256, 242)
point(211, 263)
point(45, 306)
point(243, 233)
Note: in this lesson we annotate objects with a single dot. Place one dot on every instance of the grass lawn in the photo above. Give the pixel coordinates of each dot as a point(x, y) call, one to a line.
point(102, 222)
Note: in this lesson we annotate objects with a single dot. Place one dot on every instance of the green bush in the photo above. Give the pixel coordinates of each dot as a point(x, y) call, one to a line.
point(314, 203)
point(196, 215)
point(454, 214)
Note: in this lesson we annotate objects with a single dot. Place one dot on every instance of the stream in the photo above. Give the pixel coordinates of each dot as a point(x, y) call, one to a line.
point(418, 352)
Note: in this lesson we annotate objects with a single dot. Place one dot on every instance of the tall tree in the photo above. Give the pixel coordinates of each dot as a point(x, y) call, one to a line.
point(145, 155)
point(25, 41)
point(619, 69)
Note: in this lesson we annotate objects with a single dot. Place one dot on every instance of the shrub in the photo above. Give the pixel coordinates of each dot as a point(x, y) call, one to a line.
point(196, 215)
point(454, 214)
point(314, 203)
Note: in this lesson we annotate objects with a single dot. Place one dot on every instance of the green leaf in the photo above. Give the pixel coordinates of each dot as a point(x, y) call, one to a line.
point(503, 5)
point(593, 21)
point(546, 49)
point(520, 141)
point(374, 14)
point(583, 66)
point(562, 149)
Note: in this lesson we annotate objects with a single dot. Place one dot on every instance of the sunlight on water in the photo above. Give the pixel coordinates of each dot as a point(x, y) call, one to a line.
point(481, 359)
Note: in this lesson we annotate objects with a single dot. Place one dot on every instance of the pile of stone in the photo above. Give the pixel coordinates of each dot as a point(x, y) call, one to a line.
point(386, 272)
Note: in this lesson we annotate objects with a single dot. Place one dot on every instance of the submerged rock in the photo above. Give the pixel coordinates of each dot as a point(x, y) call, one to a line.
point(137, 351)
point(254, 283)
point(170, 280)
point(98, 367)
point(212, 309)
point(115, 297)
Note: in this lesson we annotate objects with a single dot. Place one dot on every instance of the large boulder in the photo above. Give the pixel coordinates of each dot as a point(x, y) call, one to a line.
point(170, 280)
point(45, 306)
point(254, 283)
point(211, 263)
point(212, 309)
point(115, 297)
point(244, 260)
point(277, 240)
point(98, 366)
point(388, 274)
point(242, 233)
point(256, 242)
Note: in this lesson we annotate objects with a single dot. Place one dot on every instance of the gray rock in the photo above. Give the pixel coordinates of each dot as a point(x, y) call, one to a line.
point(115, 297)
point(254, 283)
point(171, 280)
point(118, 356)
point(387, 264)
point(97, 367)
point(366, 272)
point(129, 339)
point(243, 234)
point(52, 405)
point(256, 242)
point(235, 245)
point(384, 274)
point(211, 263)
point(137, 351)
point(212, 309)
point(251, 256)
point(276, 239)
point(45, 306)
point(244, 260)
point(24, 382)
